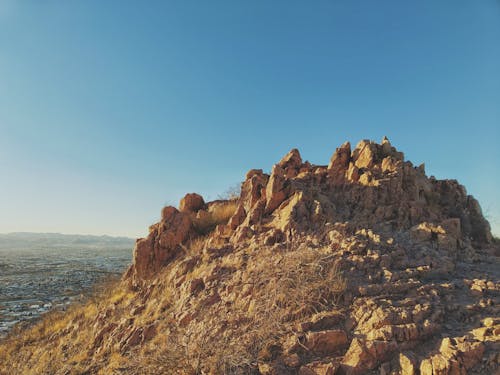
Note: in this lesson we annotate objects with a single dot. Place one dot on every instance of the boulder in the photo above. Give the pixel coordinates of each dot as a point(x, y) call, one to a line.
point(277, 189)
point(191, 202)
point(162, 243)
point(365, 154)
point(291, 163)
point(326, 342)
point(339, 163)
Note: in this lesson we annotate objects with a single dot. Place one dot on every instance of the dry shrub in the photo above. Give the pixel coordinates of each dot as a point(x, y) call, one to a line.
point(288, 286)
point(196, 245)
point(188, 351)
point(307, 281)
point(42, 343)
point(231, 193)
point(205, 221)
point(303, 282)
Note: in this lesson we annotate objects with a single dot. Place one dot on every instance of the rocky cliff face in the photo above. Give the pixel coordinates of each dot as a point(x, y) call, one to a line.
point(370, 187)
point(361, 266)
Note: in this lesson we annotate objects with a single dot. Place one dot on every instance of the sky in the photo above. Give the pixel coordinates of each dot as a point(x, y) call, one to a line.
point(110, 110)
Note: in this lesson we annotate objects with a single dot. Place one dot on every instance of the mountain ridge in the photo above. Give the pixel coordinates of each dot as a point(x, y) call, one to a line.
point(361, 266)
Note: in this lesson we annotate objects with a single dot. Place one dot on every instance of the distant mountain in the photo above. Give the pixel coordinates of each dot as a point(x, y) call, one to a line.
point(28, 240)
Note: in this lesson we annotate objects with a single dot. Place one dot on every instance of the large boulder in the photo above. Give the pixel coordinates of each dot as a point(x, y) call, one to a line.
point(339, 163)
point(191, 202)
point(162, 244)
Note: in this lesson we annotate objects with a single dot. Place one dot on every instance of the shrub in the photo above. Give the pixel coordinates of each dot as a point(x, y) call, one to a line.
point(205, 221)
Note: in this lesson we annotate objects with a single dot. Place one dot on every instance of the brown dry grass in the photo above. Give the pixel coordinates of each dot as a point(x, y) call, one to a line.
point(40, 349)
point(302, 282)
point(206, 221)
point(282, 288)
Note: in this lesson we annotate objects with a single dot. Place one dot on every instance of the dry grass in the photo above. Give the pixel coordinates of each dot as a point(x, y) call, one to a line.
point(205, 221)
point(196, 245)
point(56, 343)
point(282, 288)
point(302, 282)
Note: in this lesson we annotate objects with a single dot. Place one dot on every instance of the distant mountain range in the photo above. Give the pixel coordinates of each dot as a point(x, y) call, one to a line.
point(28, 240)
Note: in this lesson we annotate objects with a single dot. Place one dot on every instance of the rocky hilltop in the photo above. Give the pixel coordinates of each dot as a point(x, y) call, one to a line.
point(361, 266)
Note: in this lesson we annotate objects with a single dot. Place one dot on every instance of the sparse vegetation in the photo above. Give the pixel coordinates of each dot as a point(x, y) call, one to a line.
point(205, 221)
point(262, 314)
point(231, 193)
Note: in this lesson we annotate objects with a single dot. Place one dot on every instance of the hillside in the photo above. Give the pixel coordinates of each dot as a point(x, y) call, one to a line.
point(361, 266)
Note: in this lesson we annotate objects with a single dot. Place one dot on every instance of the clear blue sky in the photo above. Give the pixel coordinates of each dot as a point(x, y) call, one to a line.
point(111, 109)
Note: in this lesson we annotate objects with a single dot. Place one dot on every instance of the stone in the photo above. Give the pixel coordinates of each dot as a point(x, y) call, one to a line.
point(339, 163)
point(389, 165)
point(365, 154)
point(238, 217)
point(276, 190)
point(191, 203)
point(253, 189)
point(408, 363)
point(366, 355)
point(318, 368)
point(162, 243)
point(174, 229)
point(322, 321)
point(291, 163)
point(326, 342)
point(352, 173)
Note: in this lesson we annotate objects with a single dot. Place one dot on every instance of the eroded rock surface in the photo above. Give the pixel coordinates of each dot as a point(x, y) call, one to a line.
point(411, 247)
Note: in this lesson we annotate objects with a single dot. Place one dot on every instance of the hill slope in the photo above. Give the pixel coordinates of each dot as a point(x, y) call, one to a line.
point(362, 266)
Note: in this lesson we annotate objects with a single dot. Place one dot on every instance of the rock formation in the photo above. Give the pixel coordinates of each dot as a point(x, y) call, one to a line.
point(361, 266)
point(371, 187)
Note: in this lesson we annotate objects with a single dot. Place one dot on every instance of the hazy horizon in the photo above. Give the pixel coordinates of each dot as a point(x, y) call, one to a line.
point(60, 233)
point(109, 111)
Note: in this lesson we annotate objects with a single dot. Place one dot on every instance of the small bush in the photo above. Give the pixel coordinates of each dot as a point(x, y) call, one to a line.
point(205, 221)
point(232, 193)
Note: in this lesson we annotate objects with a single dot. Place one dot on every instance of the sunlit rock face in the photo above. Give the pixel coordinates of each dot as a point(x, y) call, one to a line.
point(370, 186)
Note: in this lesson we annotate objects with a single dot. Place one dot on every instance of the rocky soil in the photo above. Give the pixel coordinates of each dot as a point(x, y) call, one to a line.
point(361, 266)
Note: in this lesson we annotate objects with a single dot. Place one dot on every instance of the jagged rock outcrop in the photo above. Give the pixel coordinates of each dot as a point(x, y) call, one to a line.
point(371, 186)
point(394, 227)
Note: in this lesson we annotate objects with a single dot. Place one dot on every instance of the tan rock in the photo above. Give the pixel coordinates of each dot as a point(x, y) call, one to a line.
point(426, 367)
point(365, 154)
point(339, 162)
point(352, 173)
point(162, 244)
point(291, 163)
point(322, 321)
point(408, 363)
point(174, 229)
point(326, 342)
point(318, 368)
point(143, 252)
point(238, 217)
point(276, 190)
point(253, 189)
point(389, 165)
point(366, 355)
